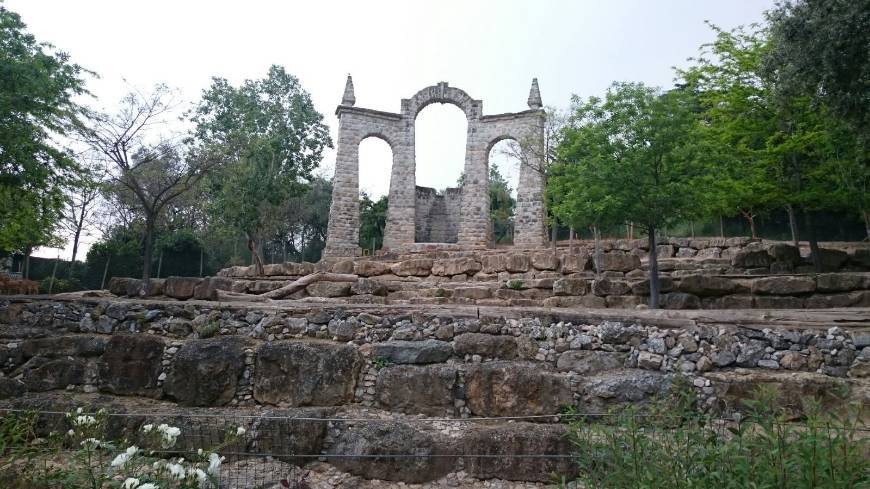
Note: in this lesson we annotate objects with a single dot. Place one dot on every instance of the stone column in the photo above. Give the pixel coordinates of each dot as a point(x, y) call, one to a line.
point(401, 209)
point(342, 232)
point(529, 217)
point(474, 220)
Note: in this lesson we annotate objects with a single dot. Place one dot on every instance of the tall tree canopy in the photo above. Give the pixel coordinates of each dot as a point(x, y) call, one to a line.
point(270, 137)
point(37, 88)
point(629, 158)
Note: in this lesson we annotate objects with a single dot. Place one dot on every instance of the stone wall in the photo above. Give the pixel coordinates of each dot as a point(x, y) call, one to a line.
point(437, 215)
point(407, 366)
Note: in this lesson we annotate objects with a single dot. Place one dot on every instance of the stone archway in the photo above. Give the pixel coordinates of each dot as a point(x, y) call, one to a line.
point(398, 130)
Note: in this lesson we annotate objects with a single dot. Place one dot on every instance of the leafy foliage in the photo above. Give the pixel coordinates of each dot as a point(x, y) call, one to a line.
point(372, 221)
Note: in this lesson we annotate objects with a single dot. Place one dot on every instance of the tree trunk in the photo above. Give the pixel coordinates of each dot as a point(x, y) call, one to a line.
point(653, 270)
point(159, 262)
point(631, 230)
point(814, 242)
point(200, 260)
point(792, 223)
point(555, 233)
point(149, 244)
point(750, 218)
point(53, 274)
point(75, 250)
point(105, 272)
point(571, 236)
point(866, 224)
point(26, 271)
point(721, 227)
point(596, 255)
point(692, 228)
point(253, 247)
point(307, 280)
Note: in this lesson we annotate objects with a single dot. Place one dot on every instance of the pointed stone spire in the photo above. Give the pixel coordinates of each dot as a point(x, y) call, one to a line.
point(535, 96)
point(348, 98)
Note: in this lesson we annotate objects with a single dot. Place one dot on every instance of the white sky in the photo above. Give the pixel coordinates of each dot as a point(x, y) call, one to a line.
point(490, 49)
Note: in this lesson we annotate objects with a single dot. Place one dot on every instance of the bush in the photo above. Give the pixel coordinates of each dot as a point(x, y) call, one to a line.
point(670, 445)
point(60, 285)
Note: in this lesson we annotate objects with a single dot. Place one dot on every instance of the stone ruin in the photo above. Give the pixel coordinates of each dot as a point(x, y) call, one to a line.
point(418, 214)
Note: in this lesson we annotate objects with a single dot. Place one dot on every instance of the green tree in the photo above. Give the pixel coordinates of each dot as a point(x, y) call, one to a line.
point(37, 88)
point(501, 206)
point(629, 158)
point(372, 221)
point(270, 137)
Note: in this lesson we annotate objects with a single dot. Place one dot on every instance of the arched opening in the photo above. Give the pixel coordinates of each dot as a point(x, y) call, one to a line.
point(375, 166)
point(440, 136)
point(503, 163)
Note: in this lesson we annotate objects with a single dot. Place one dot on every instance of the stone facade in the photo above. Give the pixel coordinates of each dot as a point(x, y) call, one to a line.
point(356, 124)
point(437, 219)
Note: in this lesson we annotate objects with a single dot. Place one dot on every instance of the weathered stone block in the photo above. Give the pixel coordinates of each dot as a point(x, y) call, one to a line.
point(455, 266)
point(778, 302)
point(181, 287)
point(420, 267)
point(417, 389)
point(585, 301)
point(605, 287)
point(517, 263)
point(679, 300)
point(666, 284)
point(343, 266)
point(617, 388)
point(131, 364)
point(751, 258)
point(401, 352)
point(329, 289)
point(839, 282)
point(515, 389)
point(306, 373)
point(783, 285)
point(545, 261)
point(706, 285)
point(279, 433)
point(499, 444)
point(472, 293)
point(784, 253)
point(42, 374)
point(62, 346)
point(206, 372)
point(493, 263)
point(368, 286)
point(485, 345)
point(575, 263)
point(588, 362)
point(371, 268)
point(621, 262)
point(570, 286)
point(208, 287)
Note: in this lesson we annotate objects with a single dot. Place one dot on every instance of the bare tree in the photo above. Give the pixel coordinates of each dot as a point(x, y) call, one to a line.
point(80, 211)
point(149, 172)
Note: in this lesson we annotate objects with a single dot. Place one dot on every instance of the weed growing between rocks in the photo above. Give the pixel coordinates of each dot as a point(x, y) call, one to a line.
point(82, 457)
point(670, 445)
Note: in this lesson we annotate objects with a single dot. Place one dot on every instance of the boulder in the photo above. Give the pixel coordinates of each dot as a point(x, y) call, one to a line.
point(649, 361)
point(575, 263)
point(707, 285)
point(666, 284)
point(472, 293)
point(515, 389)
point(118, 285)
point(751, 257)
point(131, 364)
point(455, 266)
point(63, 346)
point(306, 373)
point(545, 261)
point(415, 389)
point(419, 267)
point(181, 287)
point(618, 388)
point(679, 300)
point(791, 389)
point(517, 263)
point(839, 282)
point(368, 286)
point(208, 287)
point(485, 345)
point(710, 253)
point(621, 262)
point(358, 445)
point(499, 445)
point(589, 362)
point(343, 266)
point(11, 388)
point(570, 286)
point(784, 253)
point(685, 252)
point(665, 251)
point(329, 289)
point(278, 432)
point(401, 352)
point(42, 374)
point(605, 286)
point(371, 268)
point(786, 285)
point(206, 372)
point(493, 263)
point(832, 260)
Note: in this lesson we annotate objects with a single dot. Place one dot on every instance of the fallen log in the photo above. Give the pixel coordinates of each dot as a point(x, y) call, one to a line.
point(307, 280)
point(227, 296)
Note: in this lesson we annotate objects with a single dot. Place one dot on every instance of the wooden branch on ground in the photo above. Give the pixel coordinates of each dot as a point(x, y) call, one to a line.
point(307, 280)
point(227, 296)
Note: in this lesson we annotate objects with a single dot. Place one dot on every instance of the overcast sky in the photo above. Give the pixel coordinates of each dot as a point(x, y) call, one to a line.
point(492, 50)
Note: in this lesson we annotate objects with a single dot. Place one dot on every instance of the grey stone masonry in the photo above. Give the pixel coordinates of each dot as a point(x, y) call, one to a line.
point(473, 229)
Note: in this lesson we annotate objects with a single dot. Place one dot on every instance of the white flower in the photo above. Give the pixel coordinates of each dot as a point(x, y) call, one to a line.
point(176, 470)
point(147, 428)
point(214, 464)
point(79, 411)
point(240, 431)
point(130, 483)
point(90, 442)
point(169, 433)
point(199, 451)
point(71, 433)
point(122, 458)
point(84, 420)
point(148, 485)
point(200, 476)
